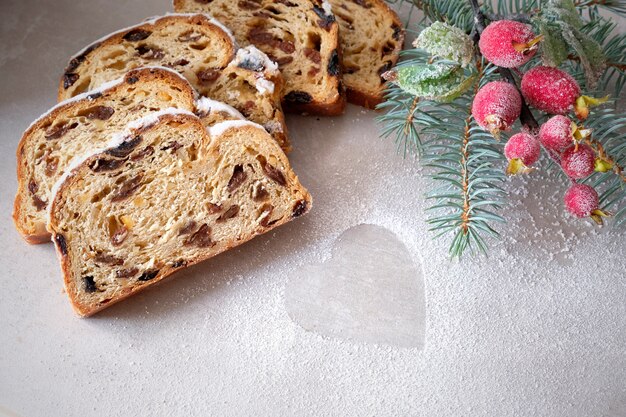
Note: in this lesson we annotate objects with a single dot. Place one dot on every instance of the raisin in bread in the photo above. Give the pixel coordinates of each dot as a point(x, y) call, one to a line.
point(198, 47)
point(167, 195)
point(301, 36)
point(371, 38)
point(76, 126)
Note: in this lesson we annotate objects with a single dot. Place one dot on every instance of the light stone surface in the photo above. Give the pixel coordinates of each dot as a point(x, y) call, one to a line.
point(536, 329)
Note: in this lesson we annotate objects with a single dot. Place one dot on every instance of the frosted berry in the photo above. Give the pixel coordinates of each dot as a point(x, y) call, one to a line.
point(581, 200)
point(556, 92)
point(557, 133)
point(496, 106)
point(522, 150)
point(550, 89)
point(578, 161)
point(508, 44)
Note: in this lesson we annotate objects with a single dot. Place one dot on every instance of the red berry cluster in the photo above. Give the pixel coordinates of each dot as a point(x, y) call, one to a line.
point(509, 44)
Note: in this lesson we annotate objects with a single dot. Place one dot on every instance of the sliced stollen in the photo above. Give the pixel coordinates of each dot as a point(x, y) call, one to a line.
point(125, 218)
point(371, 38)
point(198, 47)
point(77, 126)
point(301, 36)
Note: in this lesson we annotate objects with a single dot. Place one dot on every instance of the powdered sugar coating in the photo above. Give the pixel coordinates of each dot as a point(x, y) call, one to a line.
point(580, 200)
point(578, 162)
point(523, 146)
point(497, 99)
point(556, 134)
point(207, 105)
point(219, 128)
point(497, 40)
point(550, 89)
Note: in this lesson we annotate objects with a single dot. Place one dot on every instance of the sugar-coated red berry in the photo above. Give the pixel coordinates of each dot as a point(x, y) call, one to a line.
point(578, 161)
point(496, 106)
point(550, 89)
point(556, 134)
point(502, 43)
point(581, 200)
point(524, 147)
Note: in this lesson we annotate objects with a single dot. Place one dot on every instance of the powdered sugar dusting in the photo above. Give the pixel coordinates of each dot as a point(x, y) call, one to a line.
point(207, 105)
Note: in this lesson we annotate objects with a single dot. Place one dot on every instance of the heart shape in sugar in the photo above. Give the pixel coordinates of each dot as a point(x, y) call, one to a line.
point(370, 291)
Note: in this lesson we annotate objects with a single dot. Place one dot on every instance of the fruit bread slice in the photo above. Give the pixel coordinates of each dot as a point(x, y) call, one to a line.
point(198, 47)
point(301, 36)
point(371, 38)
point(77, 126)
point(167, 195)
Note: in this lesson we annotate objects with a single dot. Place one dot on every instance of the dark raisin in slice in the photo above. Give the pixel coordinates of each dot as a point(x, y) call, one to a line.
point(173, 146)
point(104, 258)
point(126, 273)
point(188, 228)
point(179, 263)
point(89, 284)
point(59, 130)
point(201, 239)
point(397, 31)
point(127, 189)
point(69, 79)
point(100, 113)
point(300, 208)
point(232, 211)
point(125, 148)
point(61, 244)
point(137, 35)
point(326, 21)
point(119, 236)
point(147, 151)
point(238, 178)
point(333, 63)
point(208, 75)
point(274, 174)
point(132, 79)
point(104, 164)
point(299, 97)
point(148, 275)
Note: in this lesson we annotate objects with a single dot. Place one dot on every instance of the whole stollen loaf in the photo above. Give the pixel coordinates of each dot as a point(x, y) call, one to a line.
point(198, 47)
point(166, 194)
point(302, 37)
point(77, 126)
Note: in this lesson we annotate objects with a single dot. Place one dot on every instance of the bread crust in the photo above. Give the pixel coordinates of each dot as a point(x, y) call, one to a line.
point(40, 235)
point(62, 250)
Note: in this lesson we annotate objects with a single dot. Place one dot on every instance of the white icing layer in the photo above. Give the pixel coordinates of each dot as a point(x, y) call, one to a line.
point(264, 86)
point(207, 105)
point(219, 128)
point(328, 9)
point(116, 140)
point(255, 57)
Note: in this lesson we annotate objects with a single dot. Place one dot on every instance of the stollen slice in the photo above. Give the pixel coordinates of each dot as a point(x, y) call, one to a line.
point(165, 195)
point(77, 126)
point(301, 36)
point(371, 38)
point(202, 50)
